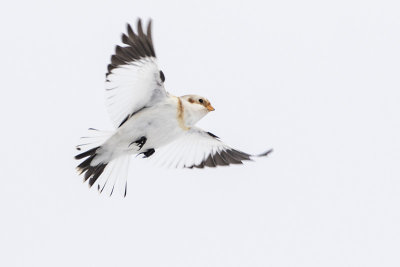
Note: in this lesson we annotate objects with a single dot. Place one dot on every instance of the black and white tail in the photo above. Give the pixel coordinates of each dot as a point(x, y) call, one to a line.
point(109, 176)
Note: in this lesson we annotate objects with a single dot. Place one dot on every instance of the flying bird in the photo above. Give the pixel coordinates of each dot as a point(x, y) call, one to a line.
point(147, 117)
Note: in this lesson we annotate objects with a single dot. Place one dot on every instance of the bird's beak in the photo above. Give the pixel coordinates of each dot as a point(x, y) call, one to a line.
point(210, 108)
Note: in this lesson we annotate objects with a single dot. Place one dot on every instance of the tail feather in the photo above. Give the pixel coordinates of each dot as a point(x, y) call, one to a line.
point(95, 169)
point(114, 177)
point(90, 172)
point(85, 154)
point(96, 174)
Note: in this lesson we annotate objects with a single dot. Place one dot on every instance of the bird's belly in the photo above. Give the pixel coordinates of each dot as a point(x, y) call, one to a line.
point(158, 125)
point(161, 132)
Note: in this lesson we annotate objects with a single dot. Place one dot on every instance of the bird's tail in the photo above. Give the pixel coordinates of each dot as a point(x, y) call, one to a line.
point(97, 169)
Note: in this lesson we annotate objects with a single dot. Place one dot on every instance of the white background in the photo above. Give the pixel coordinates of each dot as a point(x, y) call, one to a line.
point(318, 81)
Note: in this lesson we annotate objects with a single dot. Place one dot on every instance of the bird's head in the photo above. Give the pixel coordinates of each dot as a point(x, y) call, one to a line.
point(197, 107)
point(199, 102)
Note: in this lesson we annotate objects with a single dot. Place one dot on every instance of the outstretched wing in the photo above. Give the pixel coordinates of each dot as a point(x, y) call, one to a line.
point(133, 80)
point(199, 149)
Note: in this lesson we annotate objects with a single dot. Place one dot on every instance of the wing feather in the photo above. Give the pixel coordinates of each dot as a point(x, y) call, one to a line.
point(200, 149)
point(133, 80)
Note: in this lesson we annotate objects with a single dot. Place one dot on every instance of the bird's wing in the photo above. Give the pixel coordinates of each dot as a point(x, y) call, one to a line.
point(198, 149)
point(133, 80)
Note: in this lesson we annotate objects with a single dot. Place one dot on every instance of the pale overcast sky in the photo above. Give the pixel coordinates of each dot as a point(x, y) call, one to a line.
point(318, 81)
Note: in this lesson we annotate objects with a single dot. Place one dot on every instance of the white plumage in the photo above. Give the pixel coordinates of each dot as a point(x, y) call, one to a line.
point(130, 87)
point(147, 118)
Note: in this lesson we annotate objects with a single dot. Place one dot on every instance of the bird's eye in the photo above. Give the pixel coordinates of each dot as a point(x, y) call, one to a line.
point(201, 101)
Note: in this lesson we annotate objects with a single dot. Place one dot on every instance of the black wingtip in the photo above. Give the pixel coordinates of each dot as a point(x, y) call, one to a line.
point(266, 153)
point(139, 45)
point(129, 30)
point(148, 31)
point(139, 26)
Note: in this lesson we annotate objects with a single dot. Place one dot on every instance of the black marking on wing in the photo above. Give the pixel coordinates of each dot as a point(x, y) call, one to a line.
point(227, 157)
point(162, 76)
point(129, 116)
point(124, 120)
point(212, 135)
point(139, 46)
point(266, 153)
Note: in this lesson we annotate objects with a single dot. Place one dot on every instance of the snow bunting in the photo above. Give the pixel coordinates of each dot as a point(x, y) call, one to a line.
point(146, 117)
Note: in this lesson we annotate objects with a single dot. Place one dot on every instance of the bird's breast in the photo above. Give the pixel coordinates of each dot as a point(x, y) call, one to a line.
point(160, 124)
point(180, 115)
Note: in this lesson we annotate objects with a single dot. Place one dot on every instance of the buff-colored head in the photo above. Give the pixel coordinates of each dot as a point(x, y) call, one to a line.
point(199, 100)
point(196, 107)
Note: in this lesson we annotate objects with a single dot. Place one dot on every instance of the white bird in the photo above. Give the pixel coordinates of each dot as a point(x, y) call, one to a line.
point(146, 118)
